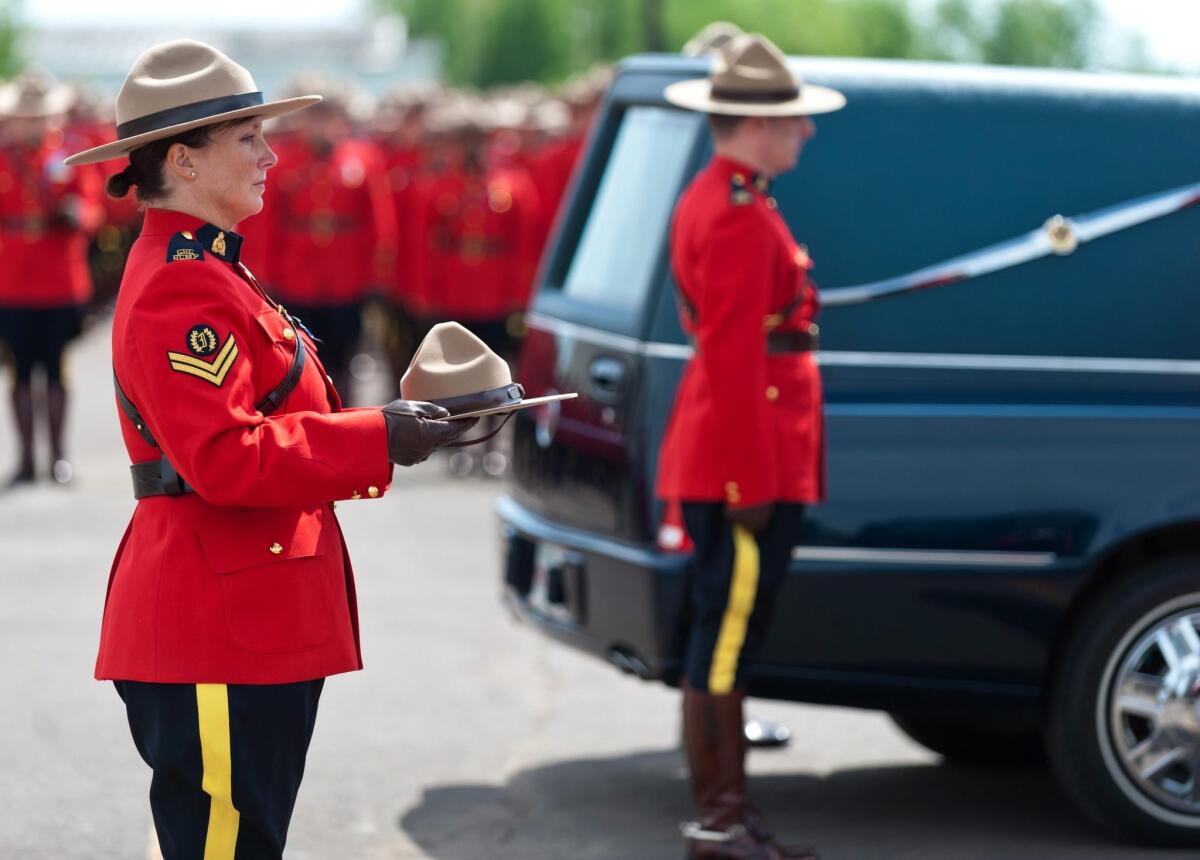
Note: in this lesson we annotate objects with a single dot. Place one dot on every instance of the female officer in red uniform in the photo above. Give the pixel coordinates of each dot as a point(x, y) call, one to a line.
point(231, 597)
point(743, 451)
point(47, 210)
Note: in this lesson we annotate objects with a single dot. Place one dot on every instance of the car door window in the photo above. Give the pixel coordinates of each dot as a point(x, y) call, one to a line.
point(625, 233)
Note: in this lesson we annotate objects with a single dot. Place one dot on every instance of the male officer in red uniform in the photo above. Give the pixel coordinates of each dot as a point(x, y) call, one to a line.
point(555, 164)
point(47, 211)
point(334, 231)
point(743, 450)
point(400, 133)
point(435, 200)
point(479, 228)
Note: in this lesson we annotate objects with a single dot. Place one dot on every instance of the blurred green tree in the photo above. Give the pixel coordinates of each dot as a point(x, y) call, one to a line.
point(856, 28)
point(1042, 33)
point(654, 31)
point(955, 32)
point(604, 29)
point(10, 43)
point(499, 41)
point(526, 40)
point(446, 21)
point(493, 41)
point(1016, 32)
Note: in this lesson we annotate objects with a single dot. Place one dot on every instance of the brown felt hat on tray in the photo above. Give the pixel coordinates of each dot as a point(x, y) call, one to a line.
point(177, 86)
point(456, 370)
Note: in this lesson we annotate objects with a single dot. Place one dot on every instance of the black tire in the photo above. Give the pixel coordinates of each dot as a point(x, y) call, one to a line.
point(975, 742)
point(1086, 731)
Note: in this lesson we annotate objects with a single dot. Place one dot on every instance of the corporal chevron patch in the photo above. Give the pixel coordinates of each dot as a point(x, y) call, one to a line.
point(213, 371)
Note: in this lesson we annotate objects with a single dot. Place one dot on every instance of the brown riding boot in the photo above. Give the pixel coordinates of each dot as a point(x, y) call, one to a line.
point(56, 415)
point(727, 826)
point(22, 404)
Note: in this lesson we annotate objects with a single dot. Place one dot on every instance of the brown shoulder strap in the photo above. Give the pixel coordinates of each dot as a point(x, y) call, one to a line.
point(132, 413)
point(154, 477)
point(280, 392)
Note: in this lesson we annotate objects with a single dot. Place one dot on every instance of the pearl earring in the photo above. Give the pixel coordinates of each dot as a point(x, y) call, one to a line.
point(193, 174)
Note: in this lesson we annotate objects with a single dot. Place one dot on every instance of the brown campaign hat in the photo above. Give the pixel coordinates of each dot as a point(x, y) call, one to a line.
point(181, 85)
point(34, 95)
point(711, 39)
point(751, 77)
point(454, 369)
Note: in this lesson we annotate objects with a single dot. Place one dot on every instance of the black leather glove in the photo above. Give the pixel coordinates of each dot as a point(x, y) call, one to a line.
point(414, 432)
point(754, 519)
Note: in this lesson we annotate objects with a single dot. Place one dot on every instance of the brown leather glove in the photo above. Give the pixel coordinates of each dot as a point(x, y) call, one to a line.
point(754, 519)
point(413, 431)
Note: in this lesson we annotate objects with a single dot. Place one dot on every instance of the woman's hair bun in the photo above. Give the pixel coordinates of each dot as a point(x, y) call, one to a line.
point(120, 183)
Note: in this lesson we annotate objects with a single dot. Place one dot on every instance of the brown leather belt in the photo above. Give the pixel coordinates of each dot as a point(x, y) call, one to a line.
point(794, 341)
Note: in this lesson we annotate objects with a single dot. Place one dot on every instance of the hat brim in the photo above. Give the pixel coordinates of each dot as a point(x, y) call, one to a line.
point(122, 148)
point(696, 94)
point(511, 407)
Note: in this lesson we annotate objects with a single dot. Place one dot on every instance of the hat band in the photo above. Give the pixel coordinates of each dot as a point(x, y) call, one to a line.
point(490, 399)
point(728, 94)
point(187, 113)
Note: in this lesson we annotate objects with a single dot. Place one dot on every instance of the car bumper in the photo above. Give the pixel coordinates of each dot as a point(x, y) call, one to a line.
point(617, 601)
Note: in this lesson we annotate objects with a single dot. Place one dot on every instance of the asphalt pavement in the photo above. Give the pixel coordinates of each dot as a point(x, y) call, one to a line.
point(468, 736)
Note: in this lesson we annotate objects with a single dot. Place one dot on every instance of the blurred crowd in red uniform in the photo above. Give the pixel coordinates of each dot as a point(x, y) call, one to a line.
point(382, 217)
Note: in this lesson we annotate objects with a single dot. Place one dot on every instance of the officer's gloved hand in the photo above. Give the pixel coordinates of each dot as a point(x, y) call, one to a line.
point(414, 432)
point(754, 519)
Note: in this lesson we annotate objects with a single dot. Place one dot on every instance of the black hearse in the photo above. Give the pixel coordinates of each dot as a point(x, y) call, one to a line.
point(1010, 555)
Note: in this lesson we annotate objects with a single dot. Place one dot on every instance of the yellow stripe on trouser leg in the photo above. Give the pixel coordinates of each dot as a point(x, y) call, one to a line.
point(742, 591)
point(212, 701)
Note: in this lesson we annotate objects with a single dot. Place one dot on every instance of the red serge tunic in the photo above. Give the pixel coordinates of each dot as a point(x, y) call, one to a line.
point(479, 242)
point(334, 228)
point(747, 427)
point(47, 211)
point(246, 580)
point(405, 166)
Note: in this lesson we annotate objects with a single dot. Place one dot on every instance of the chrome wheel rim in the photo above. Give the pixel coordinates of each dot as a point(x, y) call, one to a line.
point(1154, 712)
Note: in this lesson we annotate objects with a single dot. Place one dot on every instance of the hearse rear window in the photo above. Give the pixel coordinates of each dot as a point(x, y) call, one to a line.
point(626, 229)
